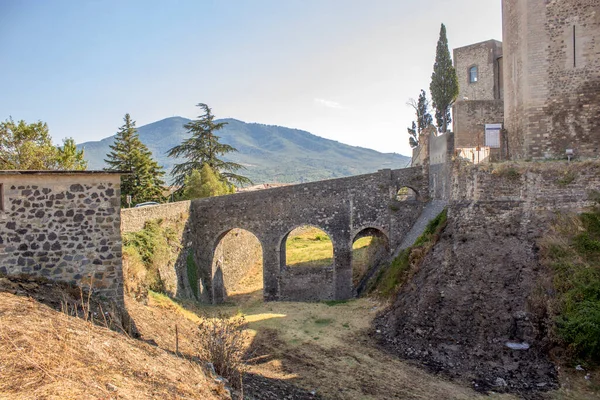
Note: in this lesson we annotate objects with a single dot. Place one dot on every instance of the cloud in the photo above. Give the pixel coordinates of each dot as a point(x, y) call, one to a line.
point(329, 104)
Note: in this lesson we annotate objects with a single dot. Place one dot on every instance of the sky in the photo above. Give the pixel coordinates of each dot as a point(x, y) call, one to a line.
point(340, 69)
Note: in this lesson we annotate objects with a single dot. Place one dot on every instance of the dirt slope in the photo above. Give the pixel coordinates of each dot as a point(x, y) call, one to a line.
point(470, 298)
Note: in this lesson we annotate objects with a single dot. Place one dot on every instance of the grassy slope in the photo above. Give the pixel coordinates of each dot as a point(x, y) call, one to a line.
point(270, 153)
point(54, 356)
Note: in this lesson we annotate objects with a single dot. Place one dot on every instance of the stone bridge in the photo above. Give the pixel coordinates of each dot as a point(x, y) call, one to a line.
point(345, 208)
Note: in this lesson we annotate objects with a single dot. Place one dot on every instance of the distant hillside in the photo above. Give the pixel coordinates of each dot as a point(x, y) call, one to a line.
point(270, 153)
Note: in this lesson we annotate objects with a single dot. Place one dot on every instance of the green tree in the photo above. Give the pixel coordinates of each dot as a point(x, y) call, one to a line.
point(205, 183)
point(128, 153)
point(29, 147)
point(203, 147)
point(444, 82)
point(421, 107)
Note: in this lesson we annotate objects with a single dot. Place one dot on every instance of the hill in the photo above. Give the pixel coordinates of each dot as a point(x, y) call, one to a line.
point(269, 153)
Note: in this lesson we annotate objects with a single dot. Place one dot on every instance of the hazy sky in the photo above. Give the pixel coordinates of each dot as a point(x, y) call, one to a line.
point(341, 69)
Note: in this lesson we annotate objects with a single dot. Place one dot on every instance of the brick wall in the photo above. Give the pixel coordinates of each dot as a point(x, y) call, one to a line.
point(470, 118)
point(484, 56)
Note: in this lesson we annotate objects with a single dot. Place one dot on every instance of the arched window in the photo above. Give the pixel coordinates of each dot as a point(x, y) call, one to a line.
point(473, 74)
point(406, 194)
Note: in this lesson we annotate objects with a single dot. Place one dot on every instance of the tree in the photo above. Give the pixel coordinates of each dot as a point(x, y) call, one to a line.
point(444, 82)
point(128, 153)
point(421, 107)
point(204, 183)
point(203, 147)
point(29, 147)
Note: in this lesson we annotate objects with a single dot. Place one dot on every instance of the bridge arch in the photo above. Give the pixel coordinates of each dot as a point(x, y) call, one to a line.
point(370, 246)
point(407, 193)
point(305, 232)
point(237, 263)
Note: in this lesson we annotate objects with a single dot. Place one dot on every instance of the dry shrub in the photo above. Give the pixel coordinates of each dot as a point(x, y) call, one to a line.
point(223, 343)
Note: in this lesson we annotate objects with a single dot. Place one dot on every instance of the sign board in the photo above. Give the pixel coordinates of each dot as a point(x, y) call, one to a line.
point(492, 135)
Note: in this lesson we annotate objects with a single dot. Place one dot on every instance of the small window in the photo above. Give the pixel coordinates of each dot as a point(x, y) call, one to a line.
point(1, 196)
point(473, 74)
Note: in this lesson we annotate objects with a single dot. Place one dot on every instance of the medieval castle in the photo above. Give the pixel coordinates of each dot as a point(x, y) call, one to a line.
point(536, 95)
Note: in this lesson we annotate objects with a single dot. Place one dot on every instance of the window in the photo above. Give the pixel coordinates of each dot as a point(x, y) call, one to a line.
point(1, 197)
point(473, 74)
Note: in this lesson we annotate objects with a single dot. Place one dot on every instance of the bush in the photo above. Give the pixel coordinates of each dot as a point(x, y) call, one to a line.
point(392, 278)
point(222, 343)
point(572, 251)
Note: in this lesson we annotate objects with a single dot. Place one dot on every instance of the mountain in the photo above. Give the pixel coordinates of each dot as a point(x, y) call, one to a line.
point(270, 153)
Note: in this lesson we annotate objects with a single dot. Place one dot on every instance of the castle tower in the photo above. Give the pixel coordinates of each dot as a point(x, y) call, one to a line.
point(551, 73)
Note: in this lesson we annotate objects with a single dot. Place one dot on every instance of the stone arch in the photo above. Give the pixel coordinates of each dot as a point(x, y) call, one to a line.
point(236, 254)
point(368, 255)
point(407, 193)
point(283, 242)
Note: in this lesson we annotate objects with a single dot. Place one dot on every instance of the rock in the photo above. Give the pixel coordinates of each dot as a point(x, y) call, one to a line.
point(500, 382)
point(517, 346)
point(111, 388)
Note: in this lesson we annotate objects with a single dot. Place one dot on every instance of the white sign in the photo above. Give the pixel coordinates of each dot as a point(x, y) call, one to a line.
point(492, 135)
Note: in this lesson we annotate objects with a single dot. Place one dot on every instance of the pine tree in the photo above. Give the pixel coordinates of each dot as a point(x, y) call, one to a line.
point(128, 153)
point(421, 107)
point(444, 82)
point(203, 147)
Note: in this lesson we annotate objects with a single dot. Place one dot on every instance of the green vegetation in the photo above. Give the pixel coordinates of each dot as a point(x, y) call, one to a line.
point(308, 246)
point(421, 107)
point(203, 147)
point(390, 279)
point(192, 273)
point(205, 183)
point(567, 177)
point(572, 251)
point(29, 146)
point(128, 153)
point(156, 246)
point(444, 82)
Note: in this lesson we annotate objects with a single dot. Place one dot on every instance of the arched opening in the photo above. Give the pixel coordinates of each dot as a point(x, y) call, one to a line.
point(238, 265)
point(370, 247)
point(307, 246)
point(406, 194)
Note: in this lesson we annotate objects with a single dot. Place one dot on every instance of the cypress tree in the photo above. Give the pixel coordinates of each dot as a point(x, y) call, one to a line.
point(128, 153)
point(444, 82)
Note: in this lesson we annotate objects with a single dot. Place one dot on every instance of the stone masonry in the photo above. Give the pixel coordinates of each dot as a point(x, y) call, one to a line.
point(552, 77)
point(343, 208)
point(64, 226)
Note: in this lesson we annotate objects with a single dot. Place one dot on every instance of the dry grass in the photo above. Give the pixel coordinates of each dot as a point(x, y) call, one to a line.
point(45, 354)
point(308, 246)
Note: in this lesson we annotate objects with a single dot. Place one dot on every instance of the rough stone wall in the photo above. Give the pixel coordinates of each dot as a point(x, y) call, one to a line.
point(470, 118)
point(484, 56)
point(340, 207)
point(174, 216)
point(552, 77)
point(236, 253)
point(473, 293)
point(133, 219)
point(64, 227)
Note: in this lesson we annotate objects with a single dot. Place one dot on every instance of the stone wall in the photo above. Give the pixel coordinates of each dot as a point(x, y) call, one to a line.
point(133, 219)
point(340, 207)
point(484, 56)
point(64, 227)
point(552, 77)
point(237, 252)
point(470, 118)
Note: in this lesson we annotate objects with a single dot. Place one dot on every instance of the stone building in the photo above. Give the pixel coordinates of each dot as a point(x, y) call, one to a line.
point(542, 83)
point(552, 77)
point(480, 100)
point(64, 226)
